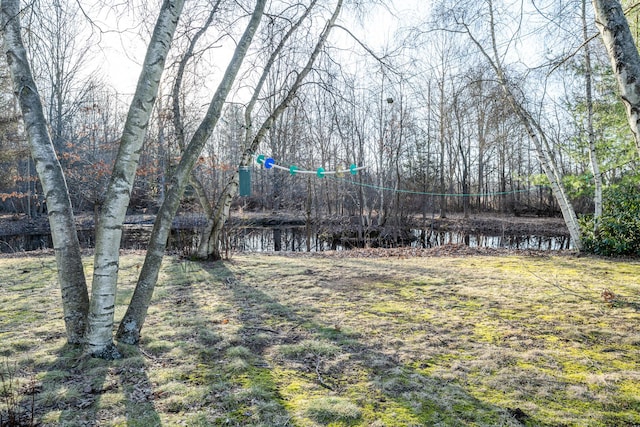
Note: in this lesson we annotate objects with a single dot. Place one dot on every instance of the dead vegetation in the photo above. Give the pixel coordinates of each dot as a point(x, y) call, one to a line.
point(376, 338)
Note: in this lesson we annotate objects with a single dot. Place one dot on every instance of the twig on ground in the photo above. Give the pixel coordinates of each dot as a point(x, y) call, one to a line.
point(564, 289)
point(320, 380)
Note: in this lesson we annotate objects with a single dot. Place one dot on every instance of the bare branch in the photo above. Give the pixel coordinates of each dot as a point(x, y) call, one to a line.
point(381, 60)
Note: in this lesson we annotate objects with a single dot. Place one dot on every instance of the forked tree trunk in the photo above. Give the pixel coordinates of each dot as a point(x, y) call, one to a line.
point(75, 298)
point(624, 58)
point(109, 227)
point(129, 330)
point(210, 243)
point(210, 238)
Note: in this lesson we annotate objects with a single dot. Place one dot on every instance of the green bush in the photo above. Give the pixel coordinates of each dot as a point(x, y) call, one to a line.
point(619, 228)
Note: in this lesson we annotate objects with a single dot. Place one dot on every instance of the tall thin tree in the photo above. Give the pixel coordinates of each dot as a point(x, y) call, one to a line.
point(109, 227)
point(533, 128)
point(75, 299)
point(131, 324)
point(591, 136)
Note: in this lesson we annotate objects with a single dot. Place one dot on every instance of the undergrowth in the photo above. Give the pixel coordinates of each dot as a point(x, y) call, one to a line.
point(17, 402)
point(330, 341)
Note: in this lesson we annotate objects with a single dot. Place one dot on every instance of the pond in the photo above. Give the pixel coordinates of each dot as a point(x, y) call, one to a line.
point(294, 238)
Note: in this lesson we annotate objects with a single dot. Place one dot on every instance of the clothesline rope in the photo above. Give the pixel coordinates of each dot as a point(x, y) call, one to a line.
point(425, 193)
point(269, 163)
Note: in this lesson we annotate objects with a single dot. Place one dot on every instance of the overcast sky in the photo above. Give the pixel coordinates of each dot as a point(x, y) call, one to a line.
point(121, 53)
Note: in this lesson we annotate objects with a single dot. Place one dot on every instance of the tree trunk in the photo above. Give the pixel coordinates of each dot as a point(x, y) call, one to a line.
point(131, 325)
point(441, 136)
point(210, 239)
point(217, 216)
point(109, 227)
point(75, 298)
point(209, 246)
point(593, 157)
point(624, 58)
point(537, 136)
point(178, 122)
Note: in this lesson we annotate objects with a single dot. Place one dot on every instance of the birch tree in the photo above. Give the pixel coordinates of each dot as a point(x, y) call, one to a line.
point(109, 228)
point(591, 137)
point(624, 57)
point(131, 324)
point(75, 299)
point(211, 236)
point(533, 128)
point(88, 322)
point(216, 215)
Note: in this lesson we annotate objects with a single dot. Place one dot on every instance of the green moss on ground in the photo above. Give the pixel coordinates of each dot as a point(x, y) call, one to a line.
point(329, 340)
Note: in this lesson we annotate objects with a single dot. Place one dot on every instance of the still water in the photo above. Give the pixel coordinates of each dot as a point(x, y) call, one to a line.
point(261, 239)
point(294, 239)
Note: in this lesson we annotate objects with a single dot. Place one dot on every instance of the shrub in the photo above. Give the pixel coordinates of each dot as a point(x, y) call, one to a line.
point(619, 228)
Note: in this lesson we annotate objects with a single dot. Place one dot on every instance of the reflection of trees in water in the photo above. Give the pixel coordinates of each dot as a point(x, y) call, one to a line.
point(185, 240)
point(294, 239)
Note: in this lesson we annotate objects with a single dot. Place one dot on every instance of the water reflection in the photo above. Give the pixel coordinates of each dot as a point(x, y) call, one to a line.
point(275, 239)
point(295, 239)
point(437, 238)
point(298, 239)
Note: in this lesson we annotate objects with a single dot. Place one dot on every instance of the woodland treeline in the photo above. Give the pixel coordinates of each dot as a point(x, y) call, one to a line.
point(423, 112)
point(491, 106)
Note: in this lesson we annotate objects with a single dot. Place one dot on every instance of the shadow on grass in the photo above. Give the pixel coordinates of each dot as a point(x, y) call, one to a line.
point(210, 377)
point(75, 390)
point(66, 388)
point(329, 375)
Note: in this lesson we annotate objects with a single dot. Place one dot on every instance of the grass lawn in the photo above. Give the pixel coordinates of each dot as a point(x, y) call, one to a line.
point(335, 340)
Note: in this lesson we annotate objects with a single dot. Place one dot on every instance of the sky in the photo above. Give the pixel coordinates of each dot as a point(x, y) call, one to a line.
point(121, 52)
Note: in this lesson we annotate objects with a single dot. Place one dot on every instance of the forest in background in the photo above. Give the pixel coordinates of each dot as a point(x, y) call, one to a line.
point(423, 110)
point(424, 113)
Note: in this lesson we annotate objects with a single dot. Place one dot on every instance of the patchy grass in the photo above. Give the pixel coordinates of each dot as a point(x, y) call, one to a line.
point(330, 341)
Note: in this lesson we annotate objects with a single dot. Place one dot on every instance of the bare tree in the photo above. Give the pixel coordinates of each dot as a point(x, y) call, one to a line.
point(534, 129)
point(88, 322)
point(75, 299)
point(591, 136)
point(109, 228)
point(59, 55)
point(131, 324)
point(211, 237)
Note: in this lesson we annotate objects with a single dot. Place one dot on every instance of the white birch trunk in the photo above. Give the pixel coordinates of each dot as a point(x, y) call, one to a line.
point(129, 330)
point(209, 244)
point(593, 154)
point(537, 136)
point(109, 227)
point(75, 299)
point(624, 58)
point(545, 156)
